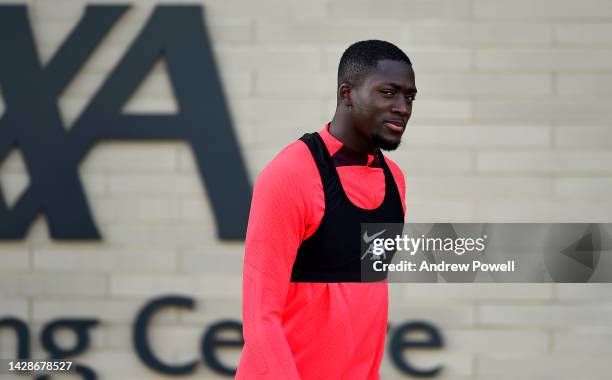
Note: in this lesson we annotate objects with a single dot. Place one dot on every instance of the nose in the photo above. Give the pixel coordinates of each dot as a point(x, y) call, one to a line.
point(401, 107)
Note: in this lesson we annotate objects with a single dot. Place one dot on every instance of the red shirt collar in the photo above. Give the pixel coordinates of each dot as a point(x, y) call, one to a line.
point(342, 154)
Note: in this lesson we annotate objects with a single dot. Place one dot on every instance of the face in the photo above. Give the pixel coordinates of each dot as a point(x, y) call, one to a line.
point(382, 104)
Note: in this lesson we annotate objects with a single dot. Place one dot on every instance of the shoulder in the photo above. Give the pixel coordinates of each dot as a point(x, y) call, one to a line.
point(293, 170)
point(292, 161)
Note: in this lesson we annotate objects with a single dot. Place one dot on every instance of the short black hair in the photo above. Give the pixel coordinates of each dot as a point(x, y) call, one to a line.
point(363, 56)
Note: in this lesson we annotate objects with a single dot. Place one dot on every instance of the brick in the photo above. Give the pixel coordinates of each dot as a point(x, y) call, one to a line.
point(422, 134)
point(296, 85)
point(591, 34)
point(477, 187)
point(147, 210)
point(231, 31)
point(70, 109)
point(118, 336)
point(481, 84)
point(236, 83)
point(108, 311)
point(543, 59)
point(159, 106)
point(103, 60)
point(403, 10)
point(131, 157)
point(428, 161)
point(200, 262)
point(542, 10)
point(156, 85)
point(13, 162)
point(289, 59)
point(477, 292)
point(66, 11)
point(546, 366)
point(442, 315)
point(550, 110)
point(258, 158)
point(14, 307)
point(175, 338)
point(584, 85)
point(583, 187)
point(227, 30)
point(63, 338)
point(39, 231)
point(545, 162)
point(583, 136)
point(154, 184)
point(267, 10)
point(196, 210)
point(14, 258)
point(120, 362)
point(57, 284)
point(430, 110)
point(508, 341)
point(581, 292)
point(93, 184)
point(54, 32)
point(476, 34)
point(187, 164)
point(154, 94)
point(439, 59)
point(274, 111)
point(84, 85)
point(595, 342)
point(280, 134)
point(209, 311)
point(557, 315)
point(166, 235)
point(542, 211)
point(337, 31)
point(220, 286)
point(426, 211)
point(104, 259)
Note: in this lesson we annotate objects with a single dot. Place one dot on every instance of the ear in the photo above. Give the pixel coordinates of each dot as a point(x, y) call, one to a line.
point(344, 94)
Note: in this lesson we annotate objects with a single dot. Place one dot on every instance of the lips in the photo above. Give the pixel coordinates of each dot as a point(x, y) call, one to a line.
point(395, 125)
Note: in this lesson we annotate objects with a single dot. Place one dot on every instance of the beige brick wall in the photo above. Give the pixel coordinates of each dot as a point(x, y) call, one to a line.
point(513, 122)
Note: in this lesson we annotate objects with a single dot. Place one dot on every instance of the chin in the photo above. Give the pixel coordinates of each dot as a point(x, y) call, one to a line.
point(386, 144)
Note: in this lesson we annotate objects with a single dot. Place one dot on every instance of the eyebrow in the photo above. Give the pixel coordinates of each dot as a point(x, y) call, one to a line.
point(399, 87)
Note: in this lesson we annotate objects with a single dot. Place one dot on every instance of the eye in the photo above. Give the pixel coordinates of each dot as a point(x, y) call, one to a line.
point(387, 92)
point(410, 98)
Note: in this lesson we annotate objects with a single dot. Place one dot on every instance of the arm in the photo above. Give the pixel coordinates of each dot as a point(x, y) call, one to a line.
point(275, 231)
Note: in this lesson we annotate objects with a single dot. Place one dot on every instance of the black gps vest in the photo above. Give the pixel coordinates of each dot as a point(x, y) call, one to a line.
point(334, 252)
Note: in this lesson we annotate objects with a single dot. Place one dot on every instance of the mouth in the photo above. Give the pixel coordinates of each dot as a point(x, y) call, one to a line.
point(395, 125)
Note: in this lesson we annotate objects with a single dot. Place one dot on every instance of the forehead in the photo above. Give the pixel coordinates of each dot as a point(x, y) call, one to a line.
point(394, 72)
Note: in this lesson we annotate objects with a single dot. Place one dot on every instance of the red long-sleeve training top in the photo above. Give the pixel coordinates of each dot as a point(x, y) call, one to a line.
point(309, 330)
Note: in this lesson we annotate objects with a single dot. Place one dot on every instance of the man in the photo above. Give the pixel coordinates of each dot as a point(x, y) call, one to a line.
point(306, 314)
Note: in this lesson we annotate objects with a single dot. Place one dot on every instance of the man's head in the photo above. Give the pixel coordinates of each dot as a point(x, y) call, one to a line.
point(376, 88)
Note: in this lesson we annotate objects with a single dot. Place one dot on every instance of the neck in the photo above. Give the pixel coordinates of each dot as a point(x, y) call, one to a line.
point(341, 128)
